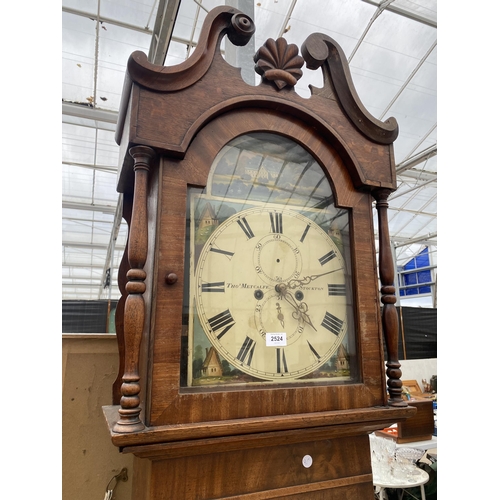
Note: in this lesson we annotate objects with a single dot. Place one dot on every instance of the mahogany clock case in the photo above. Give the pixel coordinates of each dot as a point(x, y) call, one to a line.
point(169, 402)
point(187, 127)
point(277, 421)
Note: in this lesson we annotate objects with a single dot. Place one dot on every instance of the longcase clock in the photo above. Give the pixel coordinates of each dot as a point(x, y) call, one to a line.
point(250, 326)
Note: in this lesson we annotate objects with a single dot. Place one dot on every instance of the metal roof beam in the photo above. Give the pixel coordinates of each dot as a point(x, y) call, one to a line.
point(82, 266)
point(162, 32)
point(408, 80)
point(420, 239)
point(419, 175)
point(287, 18)
point(81, 285)
point(416, 285)
point(85, 221)
point(420, 142)
point(405, 13)
point(97, 17)
point(402, 241)
point(100, 168)
point(105, 209)
point(76, 244)
point(380, 8)
point(417, 269)
point(417, 159)
point(418, 186)
point(109, 264)
point(415, 212)
point(88, 113)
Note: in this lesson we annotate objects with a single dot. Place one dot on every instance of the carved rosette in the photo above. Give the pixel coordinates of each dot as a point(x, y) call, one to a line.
point(279, 62)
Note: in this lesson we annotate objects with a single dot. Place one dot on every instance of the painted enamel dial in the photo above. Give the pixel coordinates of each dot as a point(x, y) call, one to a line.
point(271, 293)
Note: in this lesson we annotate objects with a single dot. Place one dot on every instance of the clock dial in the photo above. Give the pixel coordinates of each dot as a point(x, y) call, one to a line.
point(272, 271)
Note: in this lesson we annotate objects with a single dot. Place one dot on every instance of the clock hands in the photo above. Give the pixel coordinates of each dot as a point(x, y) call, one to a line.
point(306, 280)
point(275, 267)
point(280, 315)
point(300, 312)
point(301, 309)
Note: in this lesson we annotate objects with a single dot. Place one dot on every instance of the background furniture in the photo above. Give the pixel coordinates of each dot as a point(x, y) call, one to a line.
point(420, 478)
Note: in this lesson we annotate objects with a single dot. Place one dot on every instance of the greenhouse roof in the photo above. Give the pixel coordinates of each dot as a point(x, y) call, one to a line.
point(391, 47)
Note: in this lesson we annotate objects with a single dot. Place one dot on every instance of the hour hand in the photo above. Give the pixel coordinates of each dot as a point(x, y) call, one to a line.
point(300, 312)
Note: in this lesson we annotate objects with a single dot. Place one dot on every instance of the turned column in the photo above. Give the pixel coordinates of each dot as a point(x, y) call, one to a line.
point(134, 312)
point(388, 298)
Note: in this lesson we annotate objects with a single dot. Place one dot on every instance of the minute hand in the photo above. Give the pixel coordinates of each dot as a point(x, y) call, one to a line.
point(307, 279)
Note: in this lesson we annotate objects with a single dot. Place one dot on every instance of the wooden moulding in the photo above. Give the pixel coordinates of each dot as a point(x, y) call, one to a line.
point(348, 421)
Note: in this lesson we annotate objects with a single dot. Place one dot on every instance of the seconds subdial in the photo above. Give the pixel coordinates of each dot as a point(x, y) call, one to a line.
point(276, 258)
